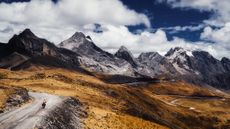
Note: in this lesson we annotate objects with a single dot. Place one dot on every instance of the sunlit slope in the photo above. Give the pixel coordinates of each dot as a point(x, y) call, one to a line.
point(170, 104)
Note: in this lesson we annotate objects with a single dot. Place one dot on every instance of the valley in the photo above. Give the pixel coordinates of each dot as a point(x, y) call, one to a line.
point(157, 105)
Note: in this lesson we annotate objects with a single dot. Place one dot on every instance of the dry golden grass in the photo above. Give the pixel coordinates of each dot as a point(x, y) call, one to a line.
point(121, 106)
point(180, 88)
point(104, 119)
point(5, 92)
point(88, 89)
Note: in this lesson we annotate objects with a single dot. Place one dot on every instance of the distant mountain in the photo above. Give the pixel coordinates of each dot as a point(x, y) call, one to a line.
point(226, 63)
point(29, 44)
point(94, 58)
point(199, 67)
point(26, 49)
point(80, 53)
point(125, 54)
point(157, 63)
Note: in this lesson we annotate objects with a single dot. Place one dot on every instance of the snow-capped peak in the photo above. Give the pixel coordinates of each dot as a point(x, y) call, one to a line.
point(179, 58)
point(179, 52)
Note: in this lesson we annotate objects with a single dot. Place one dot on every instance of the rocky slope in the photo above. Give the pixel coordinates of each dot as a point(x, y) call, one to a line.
point(157, 64)
point(200, 67)
point(94, 58)
point(125, 54)
point(26, 49)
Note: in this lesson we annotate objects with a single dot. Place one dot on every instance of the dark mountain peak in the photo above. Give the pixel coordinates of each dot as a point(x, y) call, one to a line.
point(225, 59)
point(123, 51)
point(78, 35)
point(123, 48)
point(204, 56)
point(27, 43)
point(27, 33)
point(125, 54)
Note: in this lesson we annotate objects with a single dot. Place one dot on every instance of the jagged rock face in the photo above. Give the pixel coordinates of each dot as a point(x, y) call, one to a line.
point(206, 63)
point(157, 63)
point(29, 44)
point(125, 54)
point(75, 41)
point(27, 48)
point(199, 67)
point(181, 59)
point(84, 46)
point(210, 68)
point(226, 63)
point(94, 58)
point(13, 60)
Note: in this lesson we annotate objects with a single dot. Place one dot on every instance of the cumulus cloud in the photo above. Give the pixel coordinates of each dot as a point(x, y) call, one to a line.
point(114, 37)
point(69, 12)
point(220, 36)
point(66, 16)
point(220, 20)
point(220, 9)
point(58, 21)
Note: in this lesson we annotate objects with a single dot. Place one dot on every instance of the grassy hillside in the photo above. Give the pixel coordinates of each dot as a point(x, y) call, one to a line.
point(159, 105)
point(5, 93)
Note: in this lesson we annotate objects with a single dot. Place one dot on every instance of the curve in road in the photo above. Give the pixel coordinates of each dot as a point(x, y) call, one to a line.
point(27, 116)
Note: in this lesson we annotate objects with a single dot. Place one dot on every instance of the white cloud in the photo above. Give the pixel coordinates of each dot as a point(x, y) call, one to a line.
point(220, 36)
point(114, 37)
point(69, 12)
point(220, 19)
point(57, 22)
point(220, 9)
point(44, 16)
point(177, 29)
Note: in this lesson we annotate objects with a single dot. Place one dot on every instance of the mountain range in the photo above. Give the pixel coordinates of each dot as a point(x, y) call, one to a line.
point(80, 53)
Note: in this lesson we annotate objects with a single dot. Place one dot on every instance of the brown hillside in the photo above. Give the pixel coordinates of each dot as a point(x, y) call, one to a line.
point(159, 105)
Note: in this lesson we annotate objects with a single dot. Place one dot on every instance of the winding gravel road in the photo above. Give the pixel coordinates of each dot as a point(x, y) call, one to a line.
point(31, 114)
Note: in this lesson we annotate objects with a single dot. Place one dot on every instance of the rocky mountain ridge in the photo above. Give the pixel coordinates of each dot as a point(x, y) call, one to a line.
point(79, 51)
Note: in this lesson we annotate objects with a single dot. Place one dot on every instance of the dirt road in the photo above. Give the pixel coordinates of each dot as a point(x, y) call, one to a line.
point(29, 115)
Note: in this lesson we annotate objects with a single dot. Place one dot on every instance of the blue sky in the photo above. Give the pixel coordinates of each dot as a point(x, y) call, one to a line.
point(163, 15)
point(149, 25)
